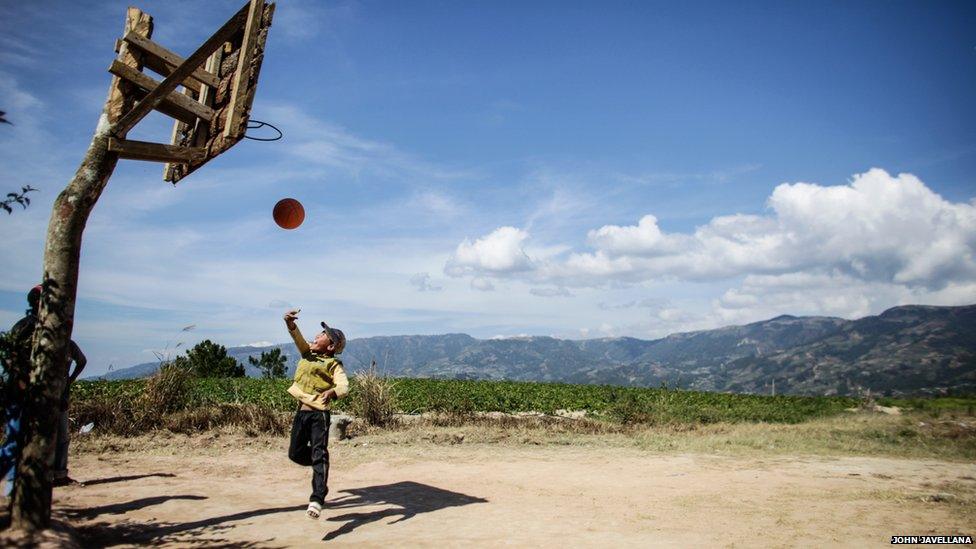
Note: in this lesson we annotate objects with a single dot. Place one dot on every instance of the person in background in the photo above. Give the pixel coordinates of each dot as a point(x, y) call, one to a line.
point(61, 477)
point(18, 367)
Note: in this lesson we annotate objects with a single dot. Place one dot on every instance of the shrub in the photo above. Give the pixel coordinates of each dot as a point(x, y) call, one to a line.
point(209, 359)
point(166, 392)
point(373, 398)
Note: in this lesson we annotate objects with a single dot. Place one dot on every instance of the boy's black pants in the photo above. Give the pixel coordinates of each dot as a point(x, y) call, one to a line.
point(310, 446)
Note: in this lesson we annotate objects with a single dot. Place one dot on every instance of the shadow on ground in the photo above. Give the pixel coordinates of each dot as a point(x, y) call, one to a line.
point(124, 479)
point(408, 499)
point(203, 533)
point(122, 508)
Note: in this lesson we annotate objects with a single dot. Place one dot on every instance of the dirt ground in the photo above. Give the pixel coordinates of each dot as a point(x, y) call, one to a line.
point(243, 493)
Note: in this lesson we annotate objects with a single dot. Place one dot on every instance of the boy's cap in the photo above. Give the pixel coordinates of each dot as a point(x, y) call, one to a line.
point(336, 336)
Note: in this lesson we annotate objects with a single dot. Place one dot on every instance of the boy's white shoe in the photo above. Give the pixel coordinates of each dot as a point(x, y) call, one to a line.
point(314, 510)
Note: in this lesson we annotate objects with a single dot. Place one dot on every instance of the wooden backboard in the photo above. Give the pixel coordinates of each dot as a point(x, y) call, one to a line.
point(224, 88)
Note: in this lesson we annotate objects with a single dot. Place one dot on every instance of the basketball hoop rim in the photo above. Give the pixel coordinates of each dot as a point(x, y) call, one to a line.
point(260, 124)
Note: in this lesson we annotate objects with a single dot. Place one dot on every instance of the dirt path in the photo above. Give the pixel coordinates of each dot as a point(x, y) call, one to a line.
point(430, 495)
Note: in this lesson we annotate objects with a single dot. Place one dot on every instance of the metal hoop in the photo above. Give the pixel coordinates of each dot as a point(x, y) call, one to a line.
point(259, 124)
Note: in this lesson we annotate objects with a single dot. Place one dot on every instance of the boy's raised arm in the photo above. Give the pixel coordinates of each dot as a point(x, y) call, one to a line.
point(296, 334)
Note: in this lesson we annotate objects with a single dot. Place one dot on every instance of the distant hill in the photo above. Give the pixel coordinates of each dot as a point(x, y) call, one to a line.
point(905, 350)
point(908, 350)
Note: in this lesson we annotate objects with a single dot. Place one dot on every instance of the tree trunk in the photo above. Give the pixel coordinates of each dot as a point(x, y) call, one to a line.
point(31, 507)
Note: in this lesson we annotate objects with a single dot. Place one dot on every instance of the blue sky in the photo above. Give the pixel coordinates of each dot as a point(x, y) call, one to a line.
point(507, 168)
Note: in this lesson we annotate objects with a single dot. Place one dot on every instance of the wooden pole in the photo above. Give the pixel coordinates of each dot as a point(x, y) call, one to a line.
point(31, 505)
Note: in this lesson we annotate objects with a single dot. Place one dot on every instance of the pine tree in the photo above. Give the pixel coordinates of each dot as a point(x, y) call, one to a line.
point(271, 363)
point(208, 359)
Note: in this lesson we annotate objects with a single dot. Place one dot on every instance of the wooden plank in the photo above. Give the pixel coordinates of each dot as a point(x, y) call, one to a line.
point(177, 105)
point(120, 98)
point(163, 61)
point(155, 152)
point(238, 104)
point(178, 127)
point(156, 96)
point(200, 130)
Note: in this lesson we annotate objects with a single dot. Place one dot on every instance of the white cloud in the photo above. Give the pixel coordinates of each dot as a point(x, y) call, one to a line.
point(482, 284)
point(423, 283)
point(550, 292)
point(14, 51)
point(497, 253)
point(831, 294)
point(565, 202)
point(435, 202)
point(26, 144)
point(16, 100)
point(644, 239)
point(646, 303)
point(674, 178)
point(848, 250)
point(877, 228)
point(882, 228)
point(516, 336)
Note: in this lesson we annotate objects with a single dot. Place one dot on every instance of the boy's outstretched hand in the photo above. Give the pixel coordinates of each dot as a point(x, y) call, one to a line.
point(290, 318)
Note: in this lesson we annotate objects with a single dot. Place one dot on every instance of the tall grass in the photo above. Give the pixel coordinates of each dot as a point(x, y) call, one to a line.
point(166, 392)
point(373, 398)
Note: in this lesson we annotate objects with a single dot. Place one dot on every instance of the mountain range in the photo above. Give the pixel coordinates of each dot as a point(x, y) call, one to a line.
point(906, 350)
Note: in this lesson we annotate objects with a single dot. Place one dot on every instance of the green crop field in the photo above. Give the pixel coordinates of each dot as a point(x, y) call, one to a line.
point(463, 396)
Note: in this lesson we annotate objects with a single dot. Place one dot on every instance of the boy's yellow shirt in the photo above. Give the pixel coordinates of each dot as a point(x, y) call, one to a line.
point(316, 374)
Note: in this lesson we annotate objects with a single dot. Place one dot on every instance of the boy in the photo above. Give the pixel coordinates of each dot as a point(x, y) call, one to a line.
point(319, 379)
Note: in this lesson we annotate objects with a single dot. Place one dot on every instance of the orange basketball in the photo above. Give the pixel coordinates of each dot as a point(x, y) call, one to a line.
point(289, 213)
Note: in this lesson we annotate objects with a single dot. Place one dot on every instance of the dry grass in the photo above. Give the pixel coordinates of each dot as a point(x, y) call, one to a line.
point(109, 415)
point(248, 418)
point(167, 391)
point(862, 434)
point(856, 434)
point(958, 496)
point(375, 398)
point(853, 434)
